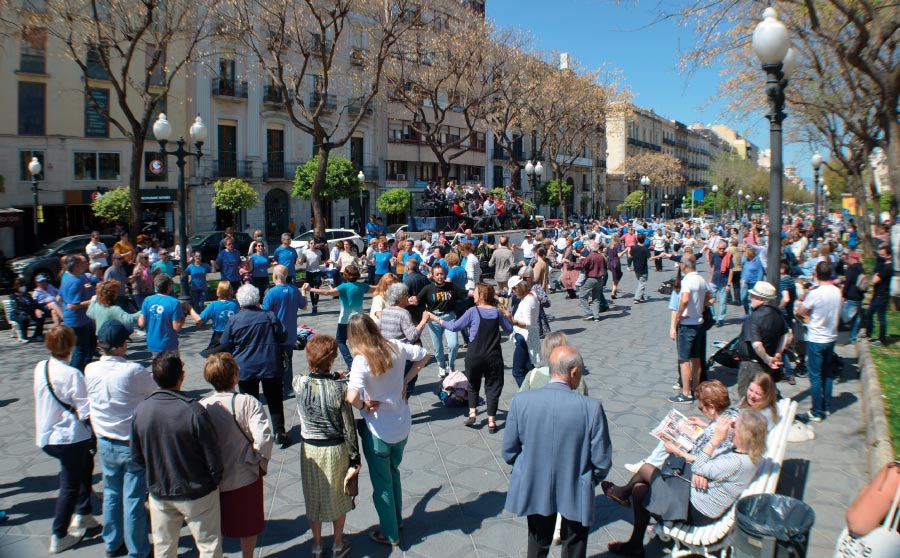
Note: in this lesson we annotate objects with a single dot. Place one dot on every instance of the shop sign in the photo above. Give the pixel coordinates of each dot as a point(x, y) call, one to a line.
point(159, 195)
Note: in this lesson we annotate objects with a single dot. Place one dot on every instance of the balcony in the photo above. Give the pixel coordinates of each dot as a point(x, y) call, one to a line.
point(279, 170)
point(229, 88)
point(227, 168)
point(355, 108)
point(272, 95)
point(329, 102)
point(499, 154)
point(644, 144)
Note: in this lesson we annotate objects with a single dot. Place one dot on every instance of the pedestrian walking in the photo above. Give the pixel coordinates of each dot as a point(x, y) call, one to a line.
point(822, 308)
point(690, 335)
point(162, 316)
point(526, 334)
point(285, 300)
point(639, 255)
point(881, 282)
point(75, 292)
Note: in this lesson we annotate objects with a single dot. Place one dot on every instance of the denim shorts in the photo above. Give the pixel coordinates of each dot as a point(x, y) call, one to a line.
point(688, 340)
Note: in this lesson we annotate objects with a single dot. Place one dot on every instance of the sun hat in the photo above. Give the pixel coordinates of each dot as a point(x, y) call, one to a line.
point(764, 289)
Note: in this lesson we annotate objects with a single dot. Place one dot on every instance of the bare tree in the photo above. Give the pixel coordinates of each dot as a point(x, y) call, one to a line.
point(325, 61)
point(134, 50)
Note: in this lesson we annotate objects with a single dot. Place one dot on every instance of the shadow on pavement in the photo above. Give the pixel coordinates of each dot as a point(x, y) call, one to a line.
point(792, 481)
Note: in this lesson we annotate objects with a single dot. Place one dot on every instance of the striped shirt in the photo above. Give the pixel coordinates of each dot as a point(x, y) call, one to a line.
point(728, 473)
point(396, 323)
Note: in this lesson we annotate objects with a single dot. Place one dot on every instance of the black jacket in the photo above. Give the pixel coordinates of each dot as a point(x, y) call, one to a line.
point(173, 438)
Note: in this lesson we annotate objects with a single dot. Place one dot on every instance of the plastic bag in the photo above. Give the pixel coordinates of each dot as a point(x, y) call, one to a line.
point(774, 515)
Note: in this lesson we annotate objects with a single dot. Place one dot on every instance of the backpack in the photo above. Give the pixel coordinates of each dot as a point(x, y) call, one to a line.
point(863, 282)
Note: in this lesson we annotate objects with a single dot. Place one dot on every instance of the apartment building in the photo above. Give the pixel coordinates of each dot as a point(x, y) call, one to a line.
point(741, 146)
point(81, 153)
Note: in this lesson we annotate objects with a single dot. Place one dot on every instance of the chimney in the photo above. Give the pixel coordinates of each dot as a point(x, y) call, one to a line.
point(564, 61)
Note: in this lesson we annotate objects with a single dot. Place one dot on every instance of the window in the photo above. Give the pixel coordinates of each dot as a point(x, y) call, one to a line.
point(156, 65)
point(149, 174)
point(33, 58)
point(94, 63)
point(479, 143)
point(395, 169)
point(275, 153)
point(395, 130)
point(226, 76)
point(426, 172)
point(32, 109)
point(24, 159)
point(96, 112)
point(90, 165)
point(162, 106)
point(473, 174)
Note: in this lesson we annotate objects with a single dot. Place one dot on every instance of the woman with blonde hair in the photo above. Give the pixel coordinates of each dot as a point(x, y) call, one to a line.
point(378, 389)
point(378, 295)
point(330, 451)
point(245, 438)
point(258, 239)
point(762, 397)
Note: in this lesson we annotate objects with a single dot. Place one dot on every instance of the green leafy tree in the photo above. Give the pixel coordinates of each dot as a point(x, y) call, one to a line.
point(551, 192)
point(234, 195)
point(113, 206)
point(395, 201)
point(341, 179)
point(633, 201)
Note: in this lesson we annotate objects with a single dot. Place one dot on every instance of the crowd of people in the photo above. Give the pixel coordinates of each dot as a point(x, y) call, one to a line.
point(202, 460)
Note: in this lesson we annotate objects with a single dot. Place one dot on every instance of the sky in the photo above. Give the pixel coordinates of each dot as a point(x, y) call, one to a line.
point(623, 36)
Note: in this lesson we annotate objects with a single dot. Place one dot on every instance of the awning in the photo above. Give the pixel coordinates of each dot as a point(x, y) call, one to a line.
point(10, 217)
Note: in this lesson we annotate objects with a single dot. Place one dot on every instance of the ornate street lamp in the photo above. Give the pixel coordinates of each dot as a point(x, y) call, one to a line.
point(715, 190)
point(740, 196)
point(645, 185)
point(163, 131)
point(362, 216)
point(34, 169)
point(535, 173)
point(816, 164)
point(771, 43)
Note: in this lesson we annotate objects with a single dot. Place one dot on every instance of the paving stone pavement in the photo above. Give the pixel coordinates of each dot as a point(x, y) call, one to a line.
point(454, 480)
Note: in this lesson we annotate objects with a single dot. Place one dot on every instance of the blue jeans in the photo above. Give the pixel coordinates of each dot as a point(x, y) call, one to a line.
point(438, 334)
point(84, 346)
point(877, 306)
point(75, 478)
point(719, 309)
point(745, 296)
point(125, 517)
point(384, 469)
point(521, 360)
point(853, 307)
point(818, 364)
point(341, 337)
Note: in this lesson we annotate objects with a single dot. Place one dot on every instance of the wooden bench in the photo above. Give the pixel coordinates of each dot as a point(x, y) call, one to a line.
point(707, 540)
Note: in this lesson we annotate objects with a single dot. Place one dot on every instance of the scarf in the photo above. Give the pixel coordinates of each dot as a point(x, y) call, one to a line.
point(726, 262)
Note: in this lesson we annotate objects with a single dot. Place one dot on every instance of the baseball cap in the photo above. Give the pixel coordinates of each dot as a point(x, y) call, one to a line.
point(41, 278)
point(513, 281)
point(113, 334)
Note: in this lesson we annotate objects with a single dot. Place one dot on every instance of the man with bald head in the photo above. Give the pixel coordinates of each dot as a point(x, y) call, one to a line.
point(285, 300)
point(556, 421)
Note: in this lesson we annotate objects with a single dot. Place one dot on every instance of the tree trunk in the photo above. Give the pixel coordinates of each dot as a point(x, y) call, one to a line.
point(134, 183)
point(857, 185)
point(893, 158)
point(445, 171)
point(315, 198)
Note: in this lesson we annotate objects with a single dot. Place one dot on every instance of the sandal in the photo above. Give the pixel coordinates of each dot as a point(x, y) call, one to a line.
point(378, 536)
point(317, 552)
point(623, 549)
point(492, 427)
point(340, 551)
point(607, 488)
point(469, 421)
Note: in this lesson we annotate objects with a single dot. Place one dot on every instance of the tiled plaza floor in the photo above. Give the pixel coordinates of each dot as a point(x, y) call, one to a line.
point(454, 480)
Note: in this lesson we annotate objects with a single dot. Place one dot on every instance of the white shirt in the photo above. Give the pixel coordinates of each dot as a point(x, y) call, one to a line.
point(473, 271)
point(527, 248)
point(527, 313)
point(312, 259)
point(489, 207)
point(392, 421)
point(696, 287)
point(658, 242)
point(92, 249)
point(115, 387)
point(824, 304)
point(54, 425)
point(335, 253)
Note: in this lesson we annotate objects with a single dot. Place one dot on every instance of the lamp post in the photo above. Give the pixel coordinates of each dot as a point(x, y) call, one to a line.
point(535, 172)
point(34, 168)
point(825, 195)
point(163, 131)
point(715, 190)
point(816, 163)
point(362, 216)
point(645, 186)
point(771, 44)
point(740, 196)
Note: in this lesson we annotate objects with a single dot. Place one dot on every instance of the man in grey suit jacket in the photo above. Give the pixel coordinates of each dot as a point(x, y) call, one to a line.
point(558, 444)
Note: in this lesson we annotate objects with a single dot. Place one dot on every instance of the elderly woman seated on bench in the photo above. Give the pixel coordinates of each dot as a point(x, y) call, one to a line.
point(707, 486)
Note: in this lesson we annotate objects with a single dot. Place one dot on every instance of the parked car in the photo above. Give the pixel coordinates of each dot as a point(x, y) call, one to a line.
point(208, 243)
point(392, 231)
point(332, 236)
point(46, 260)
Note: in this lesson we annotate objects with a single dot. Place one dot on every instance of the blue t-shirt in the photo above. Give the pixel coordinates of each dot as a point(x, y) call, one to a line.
point(260, 265)
point(286, 257)
point(219, 311)
point(351, 295)
point(719, 279)
point(160, 311)
point(228, 264)
point(74, 290)
point(164, 267)
point(457, 276)
point(382, 262)
point(197, 273)
point(407, 256)
point(285, 301)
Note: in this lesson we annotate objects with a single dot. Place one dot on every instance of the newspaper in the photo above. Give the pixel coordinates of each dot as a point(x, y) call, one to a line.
point(675, 429)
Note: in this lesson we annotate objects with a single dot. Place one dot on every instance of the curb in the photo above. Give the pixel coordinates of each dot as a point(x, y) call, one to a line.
point(878, 438)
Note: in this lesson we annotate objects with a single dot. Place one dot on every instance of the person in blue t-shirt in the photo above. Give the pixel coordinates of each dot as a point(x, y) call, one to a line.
point(197, 271)
point(287, 256)
point(285, 300)
point(163, 264)
point(351, 293)
point(382, 260)
point(259, 265)
point(228, 263)
point(162, 317)
point(217, 311)
point(75, 291)
point(409, 254)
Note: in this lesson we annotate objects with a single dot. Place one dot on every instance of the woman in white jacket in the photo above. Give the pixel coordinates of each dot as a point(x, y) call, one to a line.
point(526, 334)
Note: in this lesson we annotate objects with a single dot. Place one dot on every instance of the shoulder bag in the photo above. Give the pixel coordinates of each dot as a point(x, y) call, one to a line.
point(68, 407)
point(881, 542)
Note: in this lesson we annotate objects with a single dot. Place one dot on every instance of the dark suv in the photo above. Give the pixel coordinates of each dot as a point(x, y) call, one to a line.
point(46, 260)
point(208, 243)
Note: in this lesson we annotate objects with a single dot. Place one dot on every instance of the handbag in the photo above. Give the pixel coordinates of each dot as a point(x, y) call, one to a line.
point(883, 541)
point(708, 321)
point(849, 311)
point(673, 466)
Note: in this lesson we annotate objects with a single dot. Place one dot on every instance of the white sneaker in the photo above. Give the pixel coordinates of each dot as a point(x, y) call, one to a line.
point(72, 538)
point(85, 522)
point(633, 468)
point(139, 333)
point(443, 372)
